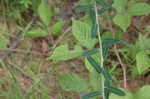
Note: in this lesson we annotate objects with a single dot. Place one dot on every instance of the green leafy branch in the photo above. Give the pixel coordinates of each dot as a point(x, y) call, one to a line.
point(86, 35)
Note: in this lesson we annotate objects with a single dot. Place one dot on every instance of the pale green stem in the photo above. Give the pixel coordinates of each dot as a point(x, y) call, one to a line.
point(101, 51)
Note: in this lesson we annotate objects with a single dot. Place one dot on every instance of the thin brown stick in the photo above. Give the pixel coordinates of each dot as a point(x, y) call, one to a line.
point(120, 61)
point(20, 51)
point(19, 71)
point(16, 42)
point(122, 66)
point(59, 40)
point(8, 53)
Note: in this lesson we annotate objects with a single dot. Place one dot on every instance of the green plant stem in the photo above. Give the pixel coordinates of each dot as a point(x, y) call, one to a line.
point(101, 51)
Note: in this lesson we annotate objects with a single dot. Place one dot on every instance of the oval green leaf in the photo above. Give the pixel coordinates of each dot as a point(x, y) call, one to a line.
point(72, 82)
point(139, 9)
point(34, 33)
point(45, 12)
point(123, 20)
